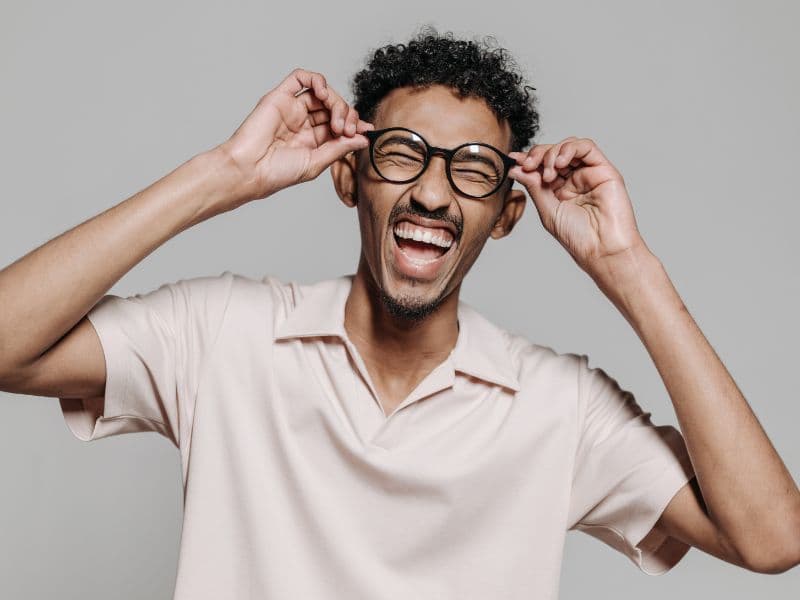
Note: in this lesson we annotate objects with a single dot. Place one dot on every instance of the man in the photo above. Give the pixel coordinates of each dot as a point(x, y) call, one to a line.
point(371, 436)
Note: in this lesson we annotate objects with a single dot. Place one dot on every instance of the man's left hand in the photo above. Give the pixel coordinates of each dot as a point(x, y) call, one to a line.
point(581, 200)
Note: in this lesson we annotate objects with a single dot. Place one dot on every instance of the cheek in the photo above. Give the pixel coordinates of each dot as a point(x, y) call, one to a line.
point(375, 203)
point(487, 228)
point(481, 222)
point(476, 237)
point(490, 217)
point(370, 223)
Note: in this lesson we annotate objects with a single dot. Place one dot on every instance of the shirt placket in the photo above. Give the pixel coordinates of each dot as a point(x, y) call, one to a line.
point(441, 378)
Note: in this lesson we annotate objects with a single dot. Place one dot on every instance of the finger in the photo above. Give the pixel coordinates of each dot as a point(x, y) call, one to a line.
point(320, 85)
point(301, 78)
point(559, 182)
point(334, 149)
point(309, 87)
point(322, 133)
point(530, 160)
point(351, 121)
point(339, 110)
point(550, 172)
point(310, 101)
point(319, 117)
point(364, 126)
point(564, 171)
point(569, 162)
point(587, 152)
point(534, 161)
point(566, 158)
point(338, 116)
point(542, 195)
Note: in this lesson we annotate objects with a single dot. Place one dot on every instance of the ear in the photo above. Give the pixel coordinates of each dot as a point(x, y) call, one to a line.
point(510, 214)
point(343, 172)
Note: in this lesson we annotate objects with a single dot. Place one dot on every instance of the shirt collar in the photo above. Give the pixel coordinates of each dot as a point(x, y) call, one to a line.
point(481, 349)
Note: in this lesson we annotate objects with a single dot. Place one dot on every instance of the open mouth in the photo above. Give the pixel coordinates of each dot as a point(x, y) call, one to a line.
point(420, 252)
point(422, 245)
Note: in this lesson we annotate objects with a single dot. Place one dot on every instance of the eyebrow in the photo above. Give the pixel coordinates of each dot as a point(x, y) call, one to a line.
point(483, 159)
point(406, 142)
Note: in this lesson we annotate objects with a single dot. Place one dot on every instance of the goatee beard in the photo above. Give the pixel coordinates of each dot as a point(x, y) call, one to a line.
point(409, 309)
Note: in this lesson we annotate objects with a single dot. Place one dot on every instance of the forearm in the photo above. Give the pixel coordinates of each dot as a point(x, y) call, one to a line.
point(749, 493)
point(47, 291)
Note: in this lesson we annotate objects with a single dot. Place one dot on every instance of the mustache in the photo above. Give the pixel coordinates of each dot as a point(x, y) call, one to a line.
point(414, 208)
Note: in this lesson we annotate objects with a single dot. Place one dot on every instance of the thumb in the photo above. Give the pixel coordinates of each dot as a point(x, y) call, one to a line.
point(333, 150)
point(543, 197)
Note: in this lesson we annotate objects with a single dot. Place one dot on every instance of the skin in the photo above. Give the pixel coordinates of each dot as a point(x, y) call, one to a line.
point(743, 506)
point(399, 353)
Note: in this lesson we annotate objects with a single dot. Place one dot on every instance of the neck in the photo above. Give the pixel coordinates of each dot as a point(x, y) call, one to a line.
point(393, 345)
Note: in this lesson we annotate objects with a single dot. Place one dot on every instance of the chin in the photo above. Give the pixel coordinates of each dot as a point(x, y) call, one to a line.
point(409, 307)
point(409, 286)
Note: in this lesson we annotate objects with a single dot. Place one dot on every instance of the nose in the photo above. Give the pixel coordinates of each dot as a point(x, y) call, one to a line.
point(432, 189)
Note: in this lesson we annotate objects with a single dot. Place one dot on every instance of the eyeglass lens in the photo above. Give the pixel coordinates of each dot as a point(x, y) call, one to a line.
point(475, 170)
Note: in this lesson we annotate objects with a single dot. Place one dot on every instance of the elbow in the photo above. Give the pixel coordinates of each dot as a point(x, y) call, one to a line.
point(779, 556)
point(773, 565)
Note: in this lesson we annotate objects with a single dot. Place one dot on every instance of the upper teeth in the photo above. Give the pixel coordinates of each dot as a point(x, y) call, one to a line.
point(408, 231)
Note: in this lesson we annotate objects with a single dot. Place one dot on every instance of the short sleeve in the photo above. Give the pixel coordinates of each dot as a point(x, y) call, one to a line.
point(626, 471)
point(155, 345)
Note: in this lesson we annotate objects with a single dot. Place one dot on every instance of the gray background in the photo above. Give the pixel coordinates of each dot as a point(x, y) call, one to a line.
point(694, 102)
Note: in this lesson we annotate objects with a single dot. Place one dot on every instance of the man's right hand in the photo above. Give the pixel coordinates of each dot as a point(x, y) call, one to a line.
point(48, 347)
point(295, 132)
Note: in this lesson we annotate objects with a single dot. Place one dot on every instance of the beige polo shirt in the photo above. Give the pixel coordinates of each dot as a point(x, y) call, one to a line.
point(296, 485)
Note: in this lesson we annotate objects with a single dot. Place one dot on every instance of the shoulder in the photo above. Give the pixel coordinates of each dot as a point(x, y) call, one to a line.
point(275, 299)
point(535, 364)
point(253, 297)
point(264, 288)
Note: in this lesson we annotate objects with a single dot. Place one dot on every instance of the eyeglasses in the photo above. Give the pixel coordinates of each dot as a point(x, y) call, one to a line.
point(474, 169)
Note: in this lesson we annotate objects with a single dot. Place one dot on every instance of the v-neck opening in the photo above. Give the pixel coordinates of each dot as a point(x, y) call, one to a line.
point(433, 382)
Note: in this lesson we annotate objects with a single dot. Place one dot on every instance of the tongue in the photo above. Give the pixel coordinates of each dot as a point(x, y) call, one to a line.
point(420, 250)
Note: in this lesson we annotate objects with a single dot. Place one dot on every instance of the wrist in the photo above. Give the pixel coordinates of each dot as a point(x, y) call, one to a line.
point(227, 185)
point(635, 281)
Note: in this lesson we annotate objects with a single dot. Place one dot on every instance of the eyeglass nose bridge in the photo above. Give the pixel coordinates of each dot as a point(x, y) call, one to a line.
point(443, 152)
point(446, 154)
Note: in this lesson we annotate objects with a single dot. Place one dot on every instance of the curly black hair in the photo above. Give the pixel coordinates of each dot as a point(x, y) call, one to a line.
point(473, 68)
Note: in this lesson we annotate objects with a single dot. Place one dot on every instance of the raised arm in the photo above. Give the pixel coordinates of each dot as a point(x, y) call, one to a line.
point(47, 346)
point(745, 506)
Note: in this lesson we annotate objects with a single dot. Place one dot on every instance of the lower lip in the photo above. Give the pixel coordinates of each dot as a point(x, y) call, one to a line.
point(426, 271)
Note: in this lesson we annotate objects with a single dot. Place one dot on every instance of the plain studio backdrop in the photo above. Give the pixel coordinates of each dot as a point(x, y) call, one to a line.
point(694, 102)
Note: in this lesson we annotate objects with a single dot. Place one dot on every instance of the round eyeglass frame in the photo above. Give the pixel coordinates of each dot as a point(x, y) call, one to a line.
point(432, 151)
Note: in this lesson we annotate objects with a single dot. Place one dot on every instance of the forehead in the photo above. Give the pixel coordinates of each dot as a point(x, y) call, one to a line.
point(443, 118)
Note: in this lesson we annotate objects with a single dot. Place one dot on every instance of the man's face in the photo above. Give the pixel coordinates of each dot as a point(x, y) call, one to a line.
point(414, 277)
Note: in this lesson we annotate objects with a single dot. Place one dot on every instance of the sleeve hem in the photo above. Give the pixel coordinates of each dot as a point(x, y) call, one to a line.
point(653, 552)
point(84, 415)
